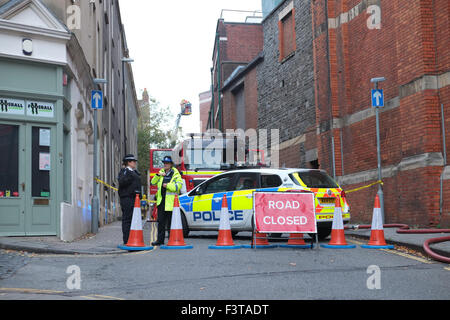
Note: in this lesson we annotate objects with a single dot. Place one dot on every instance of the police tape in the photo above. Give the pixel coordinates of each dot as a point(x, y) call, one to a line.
point(105, 184)
point(115, 189)
point(365, 187)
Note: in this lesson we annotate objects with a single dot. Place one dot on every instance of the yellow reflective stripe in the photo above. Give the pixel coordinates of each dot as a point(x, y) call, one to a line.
point(242, 201)
point(330, 216)
point(201, 173)
point(297, 177)
point(202, 203)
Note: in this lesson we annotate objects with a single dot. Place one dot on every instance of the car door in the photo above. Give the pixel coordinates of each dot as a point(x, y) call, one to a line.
point(207, 201)
point(242, 203)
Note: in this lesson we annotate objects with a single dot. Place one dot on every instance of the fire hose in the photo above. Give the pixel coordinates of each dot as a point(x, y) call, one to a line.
point(404, 229)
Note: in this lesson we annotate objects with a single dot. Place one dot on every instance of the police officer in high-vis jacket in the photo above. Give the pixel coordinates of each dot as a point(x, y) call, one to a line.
point(129, 186)
point(169, 184)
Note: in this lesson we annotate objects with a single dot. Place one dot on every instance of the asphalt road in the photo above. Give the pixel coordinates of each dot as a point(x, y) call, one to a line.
point(237, 274)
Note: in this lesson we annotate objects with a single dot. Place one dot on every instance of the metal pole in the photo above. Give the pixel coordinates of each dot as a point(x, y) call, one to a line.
point(380, 187)
point(95, 199)
point(124, 110)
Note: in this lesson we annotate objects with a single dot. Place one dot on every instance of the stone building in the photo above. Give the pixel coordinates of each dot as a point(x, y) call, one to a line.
point(50, 54)
point(285, 81)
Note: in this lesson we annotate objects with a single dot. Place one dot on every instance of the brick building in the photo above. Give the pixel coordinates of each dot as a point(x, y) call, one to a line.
point(236, 44)
point(205, 106)
point(240, 97)
point(286, 81)
point(407, 42)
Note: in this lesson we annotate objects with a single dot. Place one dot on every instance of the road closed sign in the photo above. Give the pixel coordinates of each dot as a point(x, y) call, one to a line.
point(277, 212)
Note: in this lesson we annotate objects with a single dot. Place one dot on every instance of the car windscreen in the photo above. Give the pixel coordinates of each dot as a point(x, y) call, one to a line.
point(314, 179)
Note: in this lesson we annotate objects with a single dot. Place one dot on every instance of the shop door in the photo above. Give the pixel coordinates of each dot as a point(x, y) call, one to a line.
point(27, 179)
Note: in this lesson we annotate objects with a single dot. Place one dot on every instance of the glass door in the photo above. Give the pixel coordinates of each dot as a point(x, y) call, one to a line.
point(40, 218)
point(12, 180)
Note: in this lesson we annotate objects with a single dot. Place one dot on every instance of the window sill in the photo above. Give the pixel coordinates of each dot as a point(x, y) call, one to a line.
point(289, 56)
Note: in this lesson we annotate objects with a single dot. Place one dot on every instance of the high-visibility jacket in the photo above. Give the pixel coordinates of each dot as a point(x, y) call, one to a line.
point(173, 188)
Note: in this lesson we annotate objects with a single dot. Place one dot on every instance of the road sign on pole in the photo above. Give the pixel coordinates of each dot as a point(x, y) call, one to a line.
point(97, 100)
point(377, 98)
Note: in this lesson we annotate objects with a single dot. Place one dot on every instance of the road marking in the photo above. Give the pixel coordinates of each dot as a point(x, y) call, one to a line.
point(405, 255)
point(409, 256)
point(27, 290)
point(102, 297)
point(447, 268)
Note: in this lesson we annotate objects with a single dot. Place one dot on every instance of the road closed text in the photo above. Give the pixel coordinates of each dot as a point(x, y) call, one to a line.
point(284, 212)
point(289, 220)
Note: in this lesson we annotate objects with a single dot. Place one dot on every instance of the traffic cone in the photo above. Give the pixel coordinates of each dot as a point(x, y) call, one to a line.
point(337, 233)
point(296, 240)
point(377, 240)
point(259, 241)
point(176, 238)
point(225, 239)
point(136, 237)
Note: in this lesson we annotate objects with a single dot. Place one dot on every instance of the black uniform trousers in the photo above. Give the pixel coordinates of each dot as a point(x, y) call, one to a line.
point(164, 220)
point(127, 204)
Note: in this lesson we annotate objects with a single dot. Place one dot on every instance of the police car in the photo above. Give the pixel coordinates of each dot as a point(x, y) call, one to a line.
point(201, 206)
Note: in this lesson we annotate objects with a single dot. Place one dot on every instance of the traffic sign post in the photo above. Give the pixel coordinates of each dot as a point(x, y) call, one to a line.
point(97, 100)
point(377, 103)
point(377, 98)
point(96, 104)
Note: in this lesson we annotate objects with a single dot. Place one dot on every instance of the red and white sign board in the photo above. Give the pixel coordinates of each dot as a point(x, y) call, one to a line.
point(277, 212)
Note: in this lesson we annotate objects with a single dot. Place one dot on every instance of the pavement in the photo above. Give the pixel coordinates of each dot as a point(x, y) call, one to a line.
point(104, 242)
point(412, 241)
point(110, 236)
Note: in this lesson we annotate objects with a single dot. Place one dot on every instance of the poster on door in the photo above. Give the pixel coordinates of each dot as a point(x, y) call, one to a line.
point(44, 161)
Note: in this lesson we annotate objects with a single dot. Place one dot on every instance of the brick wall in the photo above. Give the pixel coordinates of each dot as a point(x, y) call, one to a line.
point(411, 50)
point(204, 106)
point(240, 43)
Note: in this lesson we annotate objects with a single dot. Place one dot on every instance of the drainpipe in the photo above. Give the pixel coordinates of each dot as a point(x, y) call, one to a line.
point(444, 151)
point(329, 90)
point(219, 84)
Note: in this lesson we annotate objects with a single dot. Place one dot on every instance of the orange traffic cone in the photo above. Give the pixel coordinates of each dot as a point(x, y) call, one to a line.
point(176, 238)
point(225, 239)
point(377, 240)
point(136, 237)
point(259, 241)
point(337, 233)
point(296, 240)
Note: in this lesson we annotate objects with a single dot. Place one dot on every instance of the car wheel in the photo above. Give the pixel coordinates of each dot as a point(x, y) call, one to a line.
point(275, 235)
point(322, 233)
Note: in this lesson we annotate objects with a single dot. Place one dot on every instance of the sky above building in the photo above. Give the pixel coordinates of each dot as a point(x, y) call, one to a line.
point(172, 44)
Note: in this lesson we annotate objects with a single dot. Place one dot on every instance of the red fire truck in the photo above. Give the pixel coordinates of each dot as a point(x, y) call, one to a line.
point(201, 157)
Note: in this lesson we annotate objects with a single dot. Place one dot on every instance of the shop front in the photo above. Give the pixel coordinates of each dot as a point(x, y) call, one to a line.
point(31, 148)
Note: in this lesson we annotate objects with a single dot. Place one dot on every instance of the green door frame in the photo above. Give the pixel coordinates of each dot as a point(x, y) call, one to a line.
point(31, 214)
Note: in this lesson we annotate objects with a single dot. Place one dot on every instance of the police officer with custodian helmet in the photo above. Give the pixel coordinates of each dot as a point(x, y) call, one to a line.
point(129, 186)
point(169, 184)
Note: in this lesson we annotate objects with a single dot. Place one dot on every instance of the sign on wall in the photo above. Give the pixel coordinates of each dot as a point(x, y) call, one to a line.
point(30, 108)
point(12, 106)
point(40, 109)
point(277, 212)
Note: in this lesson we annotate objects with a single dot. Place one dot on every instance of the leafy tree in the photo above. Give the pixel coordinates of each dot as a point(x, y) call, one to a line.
point(155, 129)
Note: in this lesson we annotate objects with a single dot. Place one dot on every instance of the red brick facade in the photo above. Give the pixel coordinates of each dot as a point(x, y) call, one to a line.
point(411, 49)
point(205, 106)
point(237, 45)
